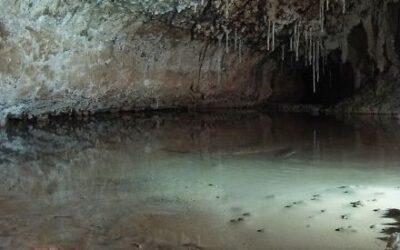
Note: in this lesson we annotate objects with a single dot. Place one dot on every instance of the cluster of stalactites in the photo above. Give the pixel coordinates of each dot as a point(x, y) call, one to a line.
point(306, 39)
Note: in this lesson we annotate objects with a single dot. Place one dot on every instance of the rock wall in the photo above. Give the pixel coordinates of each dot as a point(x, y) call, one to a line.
point(373, 50)
point(80, 57)
point(74, 57)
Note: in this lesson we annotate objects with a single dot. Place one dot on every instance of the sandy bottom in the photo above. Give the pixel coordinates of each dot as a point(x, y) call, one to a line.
point(240, 181)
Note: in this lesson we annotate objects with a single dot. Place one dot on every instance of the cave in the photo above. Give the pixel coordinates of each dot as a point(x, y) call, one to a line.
point(200, 124)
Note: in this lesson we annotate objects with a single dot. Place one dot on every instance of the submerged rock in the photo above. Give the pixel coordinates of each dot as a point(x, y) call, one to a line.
point(394, 242)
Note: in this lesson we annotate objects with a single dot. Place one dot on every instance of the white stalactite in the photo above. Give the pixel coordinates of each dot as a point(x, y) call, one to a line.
point(344, 6)
point(297, 42)
point(310, 47)
point(227, 9)
point(317, 58)
point(322, 17)
point(314, 68)
point(269, 35)
point(291, 43)
point(273, 35)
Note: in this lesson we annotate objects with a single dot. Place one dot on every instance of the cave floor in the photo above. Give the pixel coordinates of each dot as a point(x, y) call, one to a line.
point(237, 180)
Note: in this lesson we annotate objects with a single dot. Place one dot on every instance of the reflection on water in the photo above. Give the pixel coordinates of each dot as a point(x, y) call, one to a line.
point(238, 180)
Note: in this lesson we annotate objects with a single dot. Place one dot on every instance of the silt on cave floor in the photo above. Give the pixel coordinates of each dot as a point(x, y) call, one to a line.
point(220, 180)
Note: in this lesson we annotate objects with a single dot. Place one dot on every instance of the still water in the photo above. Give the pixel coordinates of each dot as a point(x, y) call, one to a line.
point(234, 180)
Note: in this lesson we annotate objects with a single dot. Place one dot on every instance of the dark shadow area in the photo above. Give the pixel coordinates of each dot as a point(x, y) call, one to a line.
point(336, 82)
point(393, 227)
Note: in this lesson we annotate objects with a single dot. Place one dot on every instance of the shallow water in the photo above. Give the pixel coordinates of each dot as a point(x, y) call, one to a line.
point(237, 180)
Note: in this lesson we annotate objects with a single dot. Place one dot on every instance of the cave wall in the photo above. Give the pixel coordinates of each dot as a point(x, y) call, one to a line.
point(372, 49)
point(83, 57)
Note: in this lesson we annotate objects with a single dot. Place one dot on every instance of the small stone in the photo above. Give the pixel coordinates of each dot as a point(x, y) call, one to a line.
point(345, 217)
point(376, 210)
point(372, 226)
point(246, 214)
point(356, 204)
point(240, 219)
point(323, 210)
point(260, 230)
point(340, 229)
point(288, 206)
point(137, 245)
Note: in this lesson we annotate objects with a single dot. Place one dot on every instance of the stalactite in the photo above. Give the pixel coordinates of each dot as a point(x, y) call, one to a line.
point(269, 36)
point(310, 46)
point(227, 9)
point(291, 43)
point(240, 50)
point(236, 40)
point(297, 43)
point(314, 68)
point(305, 46)
point(221, 54)
point(283, 52)
point(322, 18)
point(323, 51)
point(219, 37)
point(273, 35)
point(227, 31)
point(344, 6)
point(317, 58)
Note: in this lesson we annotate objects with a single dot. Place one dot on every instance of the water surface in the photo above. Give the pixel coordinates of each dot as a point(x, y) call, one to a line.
point(237, 180)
